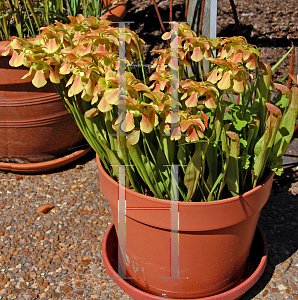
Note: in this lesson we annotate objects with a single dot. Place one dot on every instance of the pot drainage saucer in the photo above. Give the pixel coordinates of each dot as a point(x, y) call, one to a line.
point(36, 168)
point(256, 264)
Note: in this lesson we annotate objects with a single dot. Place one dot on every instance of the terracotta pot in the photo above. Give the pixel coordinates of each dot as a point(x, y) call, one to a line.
point(214, 240)
point(116, 12)
point(35, 126)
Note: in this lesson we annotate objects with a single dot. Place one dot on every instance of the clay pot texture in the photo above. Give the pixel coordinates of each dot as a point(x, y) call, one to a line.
point(35, 126)
point(256, 266)
point(116, 12)
point(214, 240)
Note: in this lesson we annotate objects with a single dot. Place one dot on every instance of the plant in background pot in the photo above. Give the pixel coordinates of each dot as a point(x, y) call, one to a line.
point(212, 144)
point(36, 131)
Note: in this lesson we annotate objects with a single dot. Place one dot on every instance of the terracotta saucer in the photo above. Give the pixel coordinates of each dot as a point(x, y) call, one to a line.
point(255, 267)
point(36, 168)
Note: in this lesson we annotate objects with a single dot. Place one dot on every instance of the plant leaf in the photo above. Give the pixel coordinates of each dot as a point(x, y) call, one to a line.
point(132, 176)
point(111, 96)
point(262, 94)
point(39, 79)
point(197, 54)
point(144, 167)
point(76, 87)
point(232, 173)
point(193, 170)
point(114, 162)
point(225, 82)
point(52, 46)
point(286, 128)
point(265, 143)
point(148, 121)
point(54, 77)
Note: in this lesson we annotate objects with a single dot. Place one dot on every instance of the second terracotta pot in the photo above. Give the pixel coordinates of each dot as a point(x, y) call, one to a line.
point(214, 240)
point(35, 126)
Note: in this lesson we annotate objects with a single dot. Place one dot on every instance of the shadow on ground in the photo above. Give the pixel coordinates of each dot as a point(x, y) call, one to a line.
point(279, 222)
point(147, 26)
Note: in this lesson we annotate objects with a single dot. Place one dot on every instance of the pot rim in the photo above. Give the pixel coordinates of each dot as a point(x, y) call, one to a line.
point(162, 201)
point(46, 166)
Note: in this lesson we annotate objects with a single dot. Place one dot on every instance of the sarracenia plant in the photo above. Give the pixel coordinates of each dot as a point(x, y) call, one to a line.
point(228, 131)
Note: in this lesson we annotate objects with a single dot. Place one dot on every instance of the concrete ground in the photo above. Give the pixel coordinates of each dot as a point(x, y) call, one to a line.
point(58, 255)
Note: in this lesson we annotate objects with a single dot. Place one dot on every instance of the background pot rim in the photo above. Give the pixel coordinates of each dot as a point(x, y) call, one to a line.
point(47, 166)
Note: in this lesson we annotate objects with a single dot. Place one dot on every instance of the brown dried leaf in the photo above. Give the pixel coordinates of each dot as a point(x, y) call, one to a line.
point(45, 208)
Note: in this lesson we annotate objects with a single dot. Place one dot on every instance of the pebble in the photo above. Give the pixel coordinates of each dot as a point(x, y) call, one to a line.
point(281, 287)
point(43, 296)
point(66, 289)
point(79, 285)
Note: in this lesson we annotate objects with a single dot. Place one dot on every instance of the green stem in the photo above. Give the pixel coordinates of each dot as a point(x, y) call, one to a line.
point(282, 59)
point(141, 58)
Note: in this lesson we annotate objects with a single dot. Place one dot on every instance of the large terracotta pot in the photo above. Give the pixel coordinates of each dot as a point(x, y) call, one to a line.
point(35, 126)
point(214, 240)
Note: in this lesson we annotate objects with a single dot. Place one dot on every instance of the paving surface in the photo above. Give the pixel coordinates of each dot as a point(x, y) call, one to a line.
point(58, 255)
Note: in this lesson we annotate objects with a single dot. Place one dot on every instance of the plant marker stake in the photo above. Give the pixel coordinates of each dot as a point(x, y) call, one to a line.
point(201, 18)
point(291, 65)
point(235, 17)
point(186, 9)
point(171, 10)
point(122, 168)
point(200, 33)
point(122, 221)
point(174, 240)
point(174, 78)
point(159, 19)
point(121, 79)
